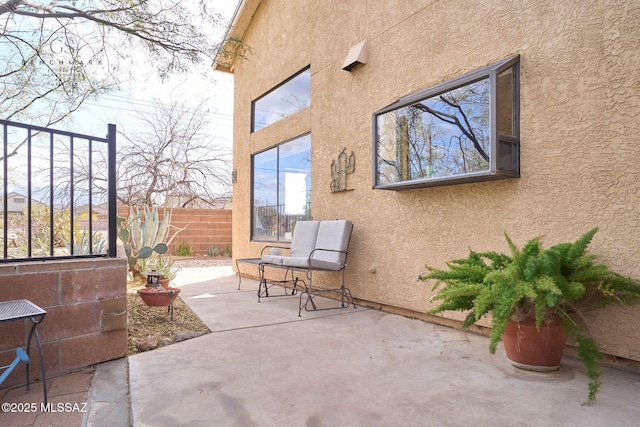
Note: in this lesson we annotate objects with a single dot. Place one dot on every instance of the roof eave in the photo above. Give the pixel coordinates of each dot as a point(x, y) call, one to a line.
point(227, 54)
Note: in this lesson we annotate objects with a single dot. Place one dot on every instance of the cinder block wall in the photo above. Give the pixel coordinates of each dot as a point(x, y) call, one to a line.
point(205, 227)
point(86, 321)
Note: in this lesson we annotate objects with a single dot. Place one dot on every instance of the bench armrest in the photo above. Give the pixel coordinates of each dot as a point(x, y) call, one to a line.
point(269, 247)
point(320, 264)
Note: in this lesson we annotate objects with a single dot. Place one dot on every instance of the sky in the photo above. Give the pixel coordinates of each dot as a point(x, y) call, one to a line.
point(291, 97)
point(147, 91)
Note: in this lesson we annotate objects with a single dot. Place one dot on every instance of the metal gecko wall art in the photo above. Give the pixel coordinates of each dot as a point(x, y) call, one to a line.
point(340, 168)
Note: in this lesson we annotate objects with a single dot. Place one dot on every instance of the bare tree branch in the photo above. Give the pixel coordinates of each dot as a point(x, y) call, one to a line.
point(453, 119)
point(56, 54)
point(173, 162)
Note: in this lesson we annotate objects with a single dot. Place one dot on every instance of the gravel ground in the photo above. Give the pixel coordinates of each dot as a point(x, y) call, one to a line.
point(150, 327)
point(201, 261)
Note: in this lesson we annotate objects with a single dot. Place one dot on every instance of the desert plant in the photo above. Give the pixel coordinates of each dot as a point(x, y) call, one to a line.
point(86, 245)
point(183, 249)
point(561, 282)
point(41, 229)
point(62, 225)
point(163, 264)
point(214, 251)
point(142, 234)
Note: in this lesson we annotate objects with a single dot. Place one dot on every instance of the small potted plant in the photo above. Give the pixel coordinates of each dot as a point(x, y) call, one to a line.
point(163, 264)
point(160, 266)
point(158, 296)
point(535, 288)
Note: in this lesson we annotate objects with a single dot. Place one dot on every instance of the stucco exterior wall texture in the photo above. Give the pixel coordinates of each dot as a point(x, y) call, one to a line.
point(580, 149)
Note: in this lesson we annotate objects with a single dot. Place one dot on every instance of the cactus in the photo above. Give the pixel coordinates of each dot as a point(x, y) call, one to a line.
point(142, 234)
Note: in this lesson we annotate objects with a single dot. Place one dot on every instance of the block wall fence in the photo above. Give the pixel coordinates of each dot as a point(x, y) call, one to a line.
point(86, 321)
point(205, 227)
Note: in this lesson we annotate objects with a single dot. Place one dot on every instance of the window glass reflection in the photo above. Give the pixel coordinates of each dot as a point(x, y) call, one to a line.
point(445, 135)
point(281, 189)
point(290, 97)
point(265, 191)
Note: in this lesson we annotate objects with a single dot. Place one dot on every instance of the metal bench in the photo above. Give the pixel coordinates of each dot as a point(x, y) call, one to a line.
point(316, 246)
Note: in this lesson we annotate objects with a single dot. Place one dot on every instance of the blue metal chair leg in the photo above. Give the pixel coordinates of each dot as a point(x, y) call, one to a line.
point(21, 356)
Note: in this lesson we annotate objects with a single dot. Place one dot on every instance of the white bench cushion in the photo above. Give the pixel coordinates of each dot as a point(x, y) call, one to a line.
point(325, 241)
point(333, 235)
point(302, 243)
point(304, 238)
point(288, 261)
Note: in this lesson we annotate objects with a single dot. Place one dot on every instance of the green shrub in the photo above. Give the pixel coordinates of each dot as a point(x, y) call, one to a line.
point(214, 251)
point(163, 264)
point(183, 249)
point(85, 245)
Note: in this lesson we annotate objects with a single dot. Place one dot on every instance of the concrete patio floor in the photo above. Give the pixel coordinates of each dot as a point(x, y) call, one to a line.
point(262, 365)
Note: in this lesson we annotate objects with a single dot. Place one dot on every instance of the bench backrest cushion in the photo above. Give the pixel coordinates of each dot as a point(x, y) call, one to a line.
point(304, 238)
point(333, 236)
point(326, 242)
point(302, 243)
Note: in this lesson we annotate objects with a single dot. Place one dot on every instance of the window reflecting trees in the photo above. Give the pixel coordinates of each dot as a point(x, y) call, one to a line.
point(463, 130)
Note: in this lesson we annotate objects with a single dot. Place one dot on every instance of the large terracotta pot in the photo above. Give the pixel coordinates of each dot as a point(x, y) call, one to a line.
point(158, 296)
point(534, 349)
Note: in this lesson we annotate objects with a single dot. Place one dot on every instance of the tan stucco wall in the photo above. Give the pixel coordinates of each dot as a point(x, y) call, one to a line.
point(580, 149)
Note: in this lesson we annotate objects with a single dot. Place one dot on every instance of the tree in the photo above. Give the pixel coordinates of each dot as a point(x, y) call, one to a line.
point(173, 161)
point(57, 54)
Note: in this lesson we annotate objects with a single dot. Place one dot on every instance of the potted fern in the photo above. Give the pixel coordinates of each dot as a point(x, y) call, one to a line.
point(534, 288)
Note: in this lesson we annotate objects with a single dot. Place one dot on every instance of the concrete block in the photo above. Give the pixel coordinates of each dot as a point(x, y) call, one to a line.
point(41, 289)
point(83, 351)
point(66, 321)
point(13, 334)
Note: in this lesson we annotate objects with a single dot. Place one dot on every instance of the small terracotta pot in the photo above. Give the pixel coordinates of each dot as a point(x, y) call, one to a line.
point(158, 296)
point(164, 283)
point(533, 349)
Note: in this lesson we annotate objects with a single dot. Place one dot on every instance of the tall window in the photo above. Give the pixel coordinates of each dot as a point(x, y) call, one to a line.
point(289, 97)
point(281, 189)
point(463, 130)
